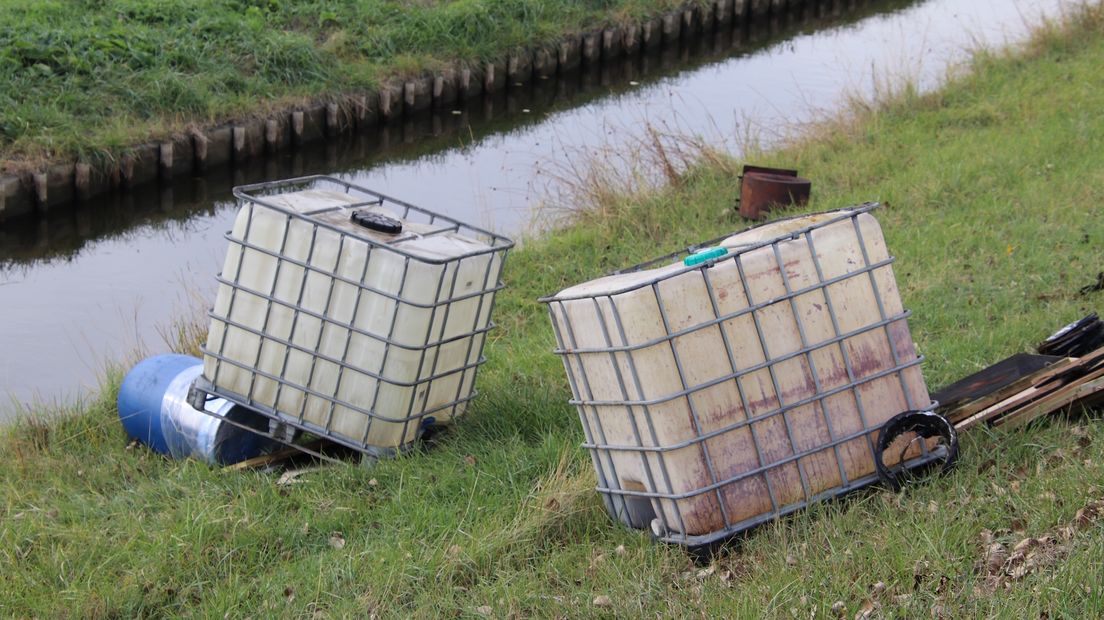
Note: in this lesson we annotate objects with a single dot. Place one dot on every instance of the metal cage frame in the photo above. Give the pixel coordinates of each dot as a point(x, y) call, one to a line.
point(253, 198)
point(633, 507)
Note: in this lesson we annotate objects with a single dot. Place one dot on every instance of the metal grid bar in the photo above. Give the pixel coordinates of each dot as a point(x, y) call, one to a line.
point(387, 348)
point(733, 315)
point(239, 398)
point(618, 512)
point(268, 302)
point(440, 335)
point(296, 312)
point(773, 376)
point(881, 310)
point(354, 205)
point(663, 469)
point(233, 293)
point(693, 541)
point(739, 388)
point(322, 330)
point(603, 451)
point(694, 417)
point(713, 486)
point(333, 360)
point(843, 214)
point(298, 309)
point(909, 404)
point(207, 387)
point(848, 368)
point(475, 326)
point(253, 194)
point(809, 357)
point(336, 276)
point(739, 373)
point(761, 417)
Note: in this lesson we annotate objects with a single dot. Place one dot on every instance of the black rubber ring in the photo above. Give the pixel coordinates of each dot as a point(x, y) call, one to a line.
point(926, 424)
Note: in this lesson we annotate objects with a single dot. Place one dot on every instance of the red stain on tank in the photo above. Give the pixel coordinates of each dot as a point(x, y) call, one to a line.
point(810, 384)
point(867, 360)
point(902, 340)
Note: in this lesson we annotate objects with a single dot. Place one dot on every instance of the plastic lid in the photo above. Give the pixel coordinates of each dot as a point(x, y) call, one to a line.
point(377, 222)
point(704, 255)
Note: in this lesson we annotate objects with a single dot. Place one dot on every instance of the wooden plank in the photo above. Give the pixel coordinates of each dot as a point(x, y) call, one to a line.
point(273, 457)
point(1058, 399)
point(1012, 402)
point(1087, 391)
point(985, 402)
point(997, 409)
point(993, 378)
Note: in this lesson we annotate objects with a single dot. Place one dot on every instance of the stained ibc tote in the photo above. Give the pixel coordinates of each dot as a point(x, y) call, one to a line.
point(349, 314)
point(725, 388)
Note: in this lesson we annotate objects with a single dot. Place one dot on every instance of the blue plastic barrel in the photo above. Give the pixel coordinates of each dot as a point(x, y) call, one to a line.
point(154, 409)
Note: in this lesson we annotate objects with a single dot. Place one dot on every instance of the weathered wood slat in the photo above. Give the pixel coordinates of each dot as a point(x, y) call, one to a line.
point(992, 379)
point(274, 457)
point(1054, 401)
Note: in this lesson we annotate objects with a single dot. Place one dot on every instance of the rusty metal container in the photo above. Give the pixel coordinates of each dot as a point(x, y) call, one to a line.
point(762, 188)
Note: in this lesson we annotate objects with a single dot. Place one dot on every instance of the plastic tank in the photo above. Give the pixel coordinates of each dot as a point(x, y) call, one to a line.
point(154, 410)
point(744, 382)
point(349, 314)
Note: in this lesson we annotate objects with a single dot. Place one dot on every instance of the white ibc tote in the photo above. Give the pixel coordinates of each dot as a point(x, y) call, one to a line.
point(349, 314)
point(743, 383)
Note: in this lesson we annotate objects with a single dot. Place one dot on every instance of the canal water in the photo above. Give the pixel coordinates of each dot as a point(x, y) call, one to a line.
point(94, 284)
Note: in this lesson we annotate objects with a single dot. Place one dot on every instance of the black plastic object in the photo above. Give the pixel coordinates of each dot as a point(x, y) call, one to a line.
point(1095, 287)
point(1075, 339)
point(992, 379)
point(377, 222)
point(926, 424)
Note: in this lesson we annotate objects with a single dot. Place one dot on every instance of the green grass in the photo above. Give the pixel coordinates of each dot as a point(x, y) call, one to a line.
point(88, 78)
point(993, 187)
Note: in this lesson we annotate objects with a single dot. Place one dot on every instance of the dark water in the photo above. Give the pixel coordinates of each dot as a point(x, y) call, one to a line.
point(96, 282)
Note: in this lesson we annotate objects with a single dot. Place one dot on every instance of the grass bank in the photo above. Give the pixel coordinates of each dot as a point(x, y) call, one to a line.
point(88, 78)
point(993, 187)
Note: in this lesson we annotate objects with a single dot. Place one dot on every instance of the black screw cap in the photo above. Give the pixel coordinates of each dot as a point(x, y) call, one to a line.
point(377, 222)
